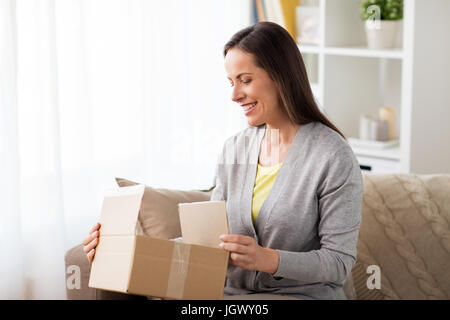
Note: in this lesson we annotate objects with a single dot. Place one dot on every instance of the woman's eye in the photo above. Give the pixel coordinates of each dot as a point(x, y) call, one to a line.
point(243, 81)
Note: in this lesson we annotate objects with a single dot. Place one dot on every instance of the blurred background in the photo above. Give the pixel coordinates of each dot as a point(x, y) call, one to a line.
point(91, 90)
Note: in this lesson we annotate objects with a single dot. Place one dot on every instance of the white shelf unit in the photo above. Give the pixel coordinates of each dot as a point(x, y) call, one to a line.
point(350, 80)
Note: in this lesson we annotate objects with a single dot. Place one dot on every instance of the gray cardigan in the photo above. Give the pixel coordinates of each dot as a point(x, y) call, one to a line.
point(311, 216)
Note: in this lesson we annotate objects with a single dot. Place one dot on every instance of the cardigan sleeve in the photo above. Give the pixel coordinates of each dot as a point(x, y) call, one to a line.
point(339, 196)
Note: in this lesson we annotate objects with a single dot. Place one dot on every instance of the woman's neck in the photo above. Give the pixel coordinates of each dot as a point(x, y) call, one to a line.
point(276, 142)
point(284, 133)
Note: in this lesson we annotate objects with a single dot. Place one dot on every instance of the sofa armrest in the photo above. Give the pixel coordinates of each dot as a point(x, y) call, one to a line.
point(349, 288)
point(78, 270)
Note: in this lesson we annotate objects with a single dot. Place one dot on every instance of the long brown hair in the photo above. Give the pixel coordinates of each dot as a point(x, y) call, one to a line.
point(277, 53)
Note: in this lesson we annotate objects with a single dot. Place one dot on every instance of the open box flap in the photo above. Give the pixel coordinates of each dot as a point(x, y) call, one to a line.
point(203, 222)
point(120, 210)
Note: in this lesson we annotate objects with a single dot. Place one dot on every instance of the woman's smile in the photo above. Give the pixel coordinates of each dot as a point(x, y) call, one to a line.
point(249, 107)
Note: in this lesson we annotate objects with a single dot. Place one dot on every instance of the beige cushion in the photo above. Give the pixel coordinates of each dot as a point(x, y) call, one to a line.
point(405, 230)
point(158, 215)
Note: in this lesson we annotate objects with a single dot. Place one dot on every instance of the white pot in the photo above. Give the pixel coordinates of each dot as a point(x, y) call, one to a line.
point(381, 34)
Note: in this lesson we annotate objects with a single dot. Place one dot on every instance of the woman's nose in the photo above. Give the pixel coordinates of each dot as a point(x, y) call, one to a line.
point(237, 94)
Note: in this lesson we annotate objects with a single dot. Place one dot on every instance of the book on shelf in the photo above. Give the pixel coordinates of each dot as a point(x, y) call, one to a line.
point(254, 12)
point(288, 8)
point(281, 12)
point(260, 10)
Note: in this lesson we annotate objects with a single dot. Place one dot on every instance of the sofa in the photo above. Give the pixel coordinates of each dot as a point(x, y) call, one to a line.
point(403, 249)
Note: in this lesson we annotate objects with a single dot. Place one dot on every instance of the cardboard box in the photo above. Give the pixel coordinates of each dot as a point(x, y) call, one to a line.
point(129, 262)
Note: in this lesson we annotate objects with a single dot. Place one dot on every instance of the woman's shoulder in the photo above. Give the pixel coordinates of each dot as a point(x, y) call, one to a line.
point(326, 142)
point(328, 138)
point(335, 154)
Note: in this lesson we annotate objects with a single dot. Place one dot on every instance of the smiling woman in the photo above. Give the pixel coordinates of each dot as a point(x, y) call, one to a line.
point(293, 226)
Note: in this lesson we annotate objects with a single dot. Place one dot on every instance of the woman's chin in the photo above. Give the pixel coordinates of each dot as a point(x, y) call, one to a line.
point(254, 122)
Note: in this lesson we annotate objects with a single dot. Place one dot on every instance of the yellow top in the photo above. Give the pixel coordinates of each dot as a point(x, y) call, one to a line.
point(265, 177)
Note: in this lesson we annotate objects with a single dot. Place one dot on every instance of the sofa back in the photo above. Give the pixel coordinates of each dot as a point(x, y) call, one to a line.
point(405, 235)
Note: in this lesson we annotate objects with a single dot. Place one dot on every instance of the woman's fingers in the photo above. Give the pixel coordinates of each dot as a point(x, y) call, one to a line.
point(237, 238)
point(89, 238)
point(244, 250)
point(95, 227)
point(90, 255)
point(91, 241)
point(91, 245)
point(236, 257)
point(234, 247)
point(92, 234)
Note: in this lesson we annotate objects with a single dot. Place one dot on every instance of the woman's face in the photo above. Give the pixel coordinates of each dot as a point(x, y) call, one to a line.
point(253, 89)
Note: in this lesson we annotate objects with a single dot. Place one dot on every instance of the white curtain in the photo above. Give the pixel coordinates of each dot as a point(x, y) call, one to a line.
point(96, 89)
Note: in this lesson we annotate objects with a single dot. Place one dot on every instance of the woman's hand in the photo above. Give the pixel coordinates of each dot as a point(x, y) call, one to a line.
point(90, 242)
point(247, 254)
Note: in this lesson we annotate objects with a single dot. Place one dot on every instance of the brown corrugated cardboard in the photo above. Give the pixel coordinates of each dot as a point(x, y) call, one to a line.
point(131, 263)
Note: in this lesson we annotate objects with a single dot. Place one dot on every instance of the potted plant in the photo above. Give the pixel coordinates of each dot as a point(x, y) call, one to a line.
point(382, 18)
